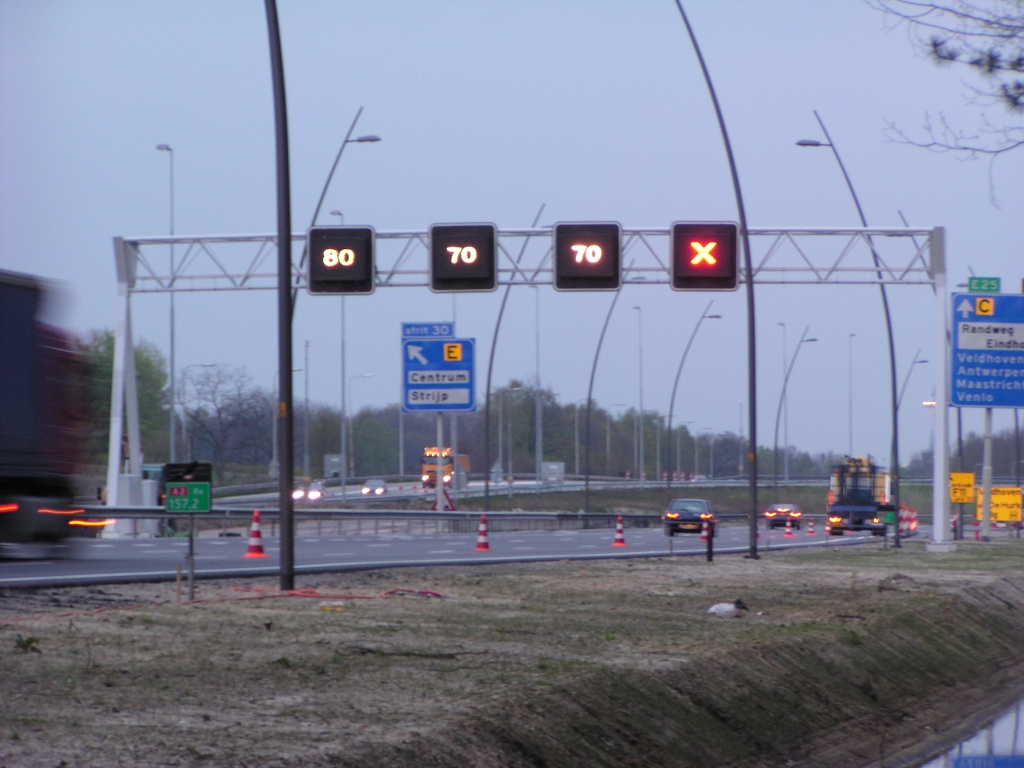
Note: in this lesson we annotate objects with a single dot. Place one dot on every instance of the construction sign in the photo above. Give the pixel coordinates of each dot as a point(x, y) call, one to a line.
point(961, 487)
point(1006, 504)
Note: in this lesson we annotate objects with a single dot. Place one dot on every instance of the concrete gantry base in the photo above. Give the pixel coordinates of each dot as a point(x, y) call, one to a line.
point(940, 547)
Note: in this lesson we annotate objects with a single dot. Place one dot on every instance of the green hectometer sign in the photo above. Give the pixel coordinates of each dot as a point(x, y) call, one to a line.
point(187, 497)
point(983, 284)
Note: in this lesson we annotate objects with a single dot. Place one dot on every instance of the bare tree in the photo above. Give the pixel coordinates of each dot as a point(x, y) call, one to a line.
point(230, 416)
point(986, 37)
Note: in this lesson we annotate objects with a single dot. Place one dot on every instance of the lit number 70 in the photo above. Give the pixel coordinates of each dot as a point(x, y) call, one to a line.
point(592, 253)
point(332, 257)
point(466, 254)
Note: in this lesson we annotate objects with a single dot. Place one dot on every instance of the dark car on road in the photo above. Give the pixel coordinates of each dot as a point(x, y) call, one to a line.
point(688, 516)
point(777, 514)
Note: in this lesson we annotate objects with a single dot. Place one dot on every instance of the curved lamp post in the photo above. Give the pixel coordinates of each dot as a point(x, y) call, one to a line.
point(675, 386)
point(782, 396)
point(895, 457)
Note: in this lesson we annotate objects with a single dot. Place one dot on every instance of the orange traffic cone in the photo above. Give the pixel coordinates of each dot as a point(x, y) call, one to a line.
point(620, 539)
point(810, 527)
point(704, 531)
point(255, 538)
point(481, 536)
point(789, 528)
point(828, 526)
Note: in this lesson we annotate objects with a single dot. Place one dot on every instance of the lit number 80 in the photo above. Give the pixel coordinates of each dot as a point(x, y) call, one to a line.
point(332, 257)
point(592, 253)
point(466, 254)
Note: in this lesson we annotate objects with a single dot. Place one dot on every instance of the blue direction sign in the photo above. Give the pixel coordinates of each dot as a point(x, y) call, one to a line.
point(428, 330)
point(988, 351)
point(438, 375)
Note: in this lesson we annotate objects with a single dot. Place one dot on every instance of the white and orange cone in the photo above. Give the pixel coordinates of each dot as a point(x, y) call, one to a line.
point(810, 527)
point(828, 526)
point(481, 536)
point(255, 537)
point(789, 528)
point(620, 539)
point(704, 531)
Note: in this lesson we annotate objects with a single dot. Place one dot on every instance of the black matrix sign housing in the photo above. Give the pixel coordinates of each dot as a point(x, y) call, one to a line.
point(340, 260)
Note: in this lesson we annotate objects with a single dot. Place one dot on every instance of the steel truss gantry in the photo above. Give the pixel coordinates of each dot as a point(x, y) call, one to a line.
point(781, 256)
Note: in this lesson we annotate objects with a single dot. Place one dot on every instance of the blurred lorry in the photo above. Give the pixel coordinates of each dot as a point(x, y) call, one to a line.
point(858, 497)
point(42, 419)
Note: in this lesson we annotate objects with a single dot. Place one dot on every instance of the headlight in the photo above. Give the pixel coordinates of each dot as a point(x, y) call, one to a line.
point(313, 495)
point(365, 490)
point(447, 478)
point(378, 491)
point(426, 478)
point(298, 493)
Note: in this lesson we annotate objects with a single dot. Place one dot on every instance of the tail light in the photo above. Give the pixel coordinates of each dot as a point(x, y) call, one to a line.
point(8, 507)
point(706, 516)
point(835, 519)
point(794, 513)
point(769, 513)
point(672, 515)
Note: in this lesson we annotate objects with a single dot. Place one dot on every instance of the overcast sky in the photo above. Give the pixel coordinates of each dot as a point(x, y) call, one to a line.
point(487, 110)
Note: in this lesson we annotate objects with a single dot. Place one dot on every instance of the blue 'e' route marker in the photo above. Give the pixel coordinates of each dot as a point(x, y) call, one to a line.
point(987, 364)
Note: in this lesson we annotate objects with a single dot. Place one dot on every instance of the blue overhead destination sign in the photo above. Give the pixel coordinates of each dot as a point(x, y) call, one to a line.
point(988, 351)
point(437, 374)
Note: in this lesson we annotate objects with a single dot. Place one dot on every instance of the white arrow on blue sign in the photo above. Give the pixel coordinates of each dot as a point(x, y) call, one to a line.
point(987, 365)
point(437, 374)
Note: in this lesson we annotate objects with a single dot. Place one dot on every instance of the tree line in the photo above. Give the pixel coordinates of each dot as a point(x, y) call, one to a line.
point(229, 421)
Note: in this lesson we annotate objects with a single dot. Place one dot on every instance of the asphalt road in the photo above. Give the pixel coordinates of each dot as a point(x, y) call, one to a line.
point(88, 561)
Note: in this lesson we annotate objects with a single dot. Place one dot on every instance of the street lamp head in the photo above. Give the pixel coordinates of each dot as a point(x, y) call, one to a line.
point(712, 317)
point(164, 148)
point(921, 361)
point(638, 309)
point(365, 139)
point(808, 341)
point(812, 143)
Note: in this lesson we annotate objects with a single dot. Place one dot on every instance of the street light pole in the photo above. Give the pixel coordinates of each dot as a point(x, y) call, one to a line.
point(539, 426)
point(305, 458)
point(640, 353)
point(170, 155)
point(782, 396)
point(895, 458)
point(849, 368)
point(608, 439)
point(350, 380)
point(785, 409)
point(675, 386)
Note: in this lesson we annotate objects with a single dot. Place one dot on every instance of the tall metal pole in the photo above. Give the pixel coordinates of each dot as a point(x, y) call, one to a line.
point(849, 387)
point(490, 369)
point(682, 361)
point(173, 448)
point(782, 397)
point(895, 448)
point(539, 426)
point(343, 475)
point(439, 466)
point(590, 395)
point(284, 305)
point(305, 406)
point(785, 415)
point(641, 469)
point(986, 479)
point(749, 276)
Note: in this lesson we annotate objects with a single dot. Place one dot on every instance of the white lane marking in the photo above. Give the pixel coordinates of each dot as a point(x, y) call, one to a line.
point(388, 544)
point(441, 552)
point(104, 546)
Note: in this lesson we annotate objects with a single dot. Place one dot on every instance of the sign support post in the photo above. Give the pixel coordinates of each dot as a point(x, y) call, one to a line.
point(940, 464)
point(439, 472)
point(986, 479)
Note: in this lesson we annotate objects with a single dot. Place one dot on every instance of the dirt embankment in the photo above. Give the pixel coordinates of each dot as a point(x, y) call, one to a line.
point(845, 658)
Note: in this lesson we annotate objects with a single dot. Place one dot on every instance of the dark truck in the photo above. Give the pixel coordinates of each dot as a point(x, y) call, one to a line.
point(858, 497)
point(42, 418)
